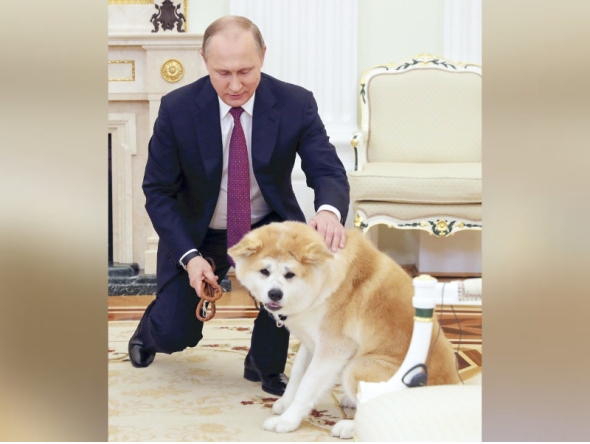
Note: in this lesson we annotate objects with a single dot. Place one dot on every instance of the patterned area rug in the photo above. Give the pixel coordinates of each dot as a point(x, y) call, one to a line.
point(200, 394)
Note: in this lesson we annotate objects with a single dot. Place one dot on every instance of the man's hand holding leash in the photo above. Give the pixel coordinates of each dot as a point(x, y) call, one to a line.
point(198, 269)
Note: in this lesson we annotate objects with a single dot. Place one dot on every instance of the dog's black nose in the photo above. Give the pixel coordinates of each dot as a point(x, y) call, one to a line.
point(275, 295)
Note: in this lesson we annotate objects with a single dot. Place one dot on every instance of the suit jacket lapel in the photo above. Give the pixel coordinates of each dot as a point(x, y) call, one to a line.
point(208, 132)
point(265, 126)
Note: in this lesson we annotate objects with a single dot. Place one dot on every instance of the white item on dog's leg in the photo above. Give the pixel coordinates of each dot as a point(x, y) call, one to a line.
point(424, 301)
point(426, 292)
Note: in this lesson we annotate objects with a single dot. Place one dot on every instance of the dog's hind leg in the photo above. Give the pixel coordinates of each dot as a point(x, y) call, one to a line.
point(302, 359)
point(368, 368)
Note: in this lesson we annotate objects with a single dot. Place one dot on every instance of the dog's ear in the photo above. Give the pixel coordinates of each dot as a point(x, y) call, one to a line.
point(248, 246)
point(315, 253)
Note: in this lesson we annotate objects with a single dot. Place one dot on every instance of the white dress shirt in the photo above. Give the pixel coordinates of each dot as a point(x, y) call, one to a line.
point(259, 207)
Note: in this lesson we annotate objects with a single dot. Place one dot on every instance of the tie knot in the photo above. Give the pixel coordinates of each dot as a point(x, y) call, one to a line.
point(236, 113)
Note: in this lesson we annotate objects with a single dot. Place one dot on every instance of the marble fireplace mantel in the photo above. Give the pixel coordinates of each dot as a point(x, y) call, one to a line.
point(162, 38)
point(142, 67)
point(136, 62)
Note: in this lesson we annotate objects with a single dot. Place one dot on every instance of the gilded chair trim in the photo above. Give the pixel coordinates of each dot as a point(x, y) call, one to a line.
point(438, 226)
point(359, 144)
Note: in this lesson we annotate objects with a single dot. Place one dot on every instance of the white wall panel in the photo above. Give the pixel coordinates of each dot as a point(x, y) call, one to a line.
point(462, 30)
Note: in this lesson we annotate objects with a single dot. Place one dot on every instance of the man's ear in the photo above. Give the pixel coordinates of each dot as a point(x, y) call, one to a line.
point(248, 246)
point(263, 54)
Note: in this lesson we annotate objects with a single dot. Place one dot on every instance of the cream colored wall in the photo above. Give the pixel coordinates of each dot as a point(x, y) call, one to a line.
point(203, 12)
point(394, 30)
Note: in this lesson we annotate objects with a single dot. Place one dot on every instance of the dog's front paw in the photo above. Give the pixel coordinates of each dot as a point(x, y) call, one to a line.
point(348, 402)
point(344, 429)
point(279, 424)
point(279, 407)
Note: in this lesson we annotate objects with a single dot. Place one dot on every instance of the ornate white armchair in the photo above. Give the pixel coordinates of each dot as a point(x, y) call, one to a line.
point(418, 154)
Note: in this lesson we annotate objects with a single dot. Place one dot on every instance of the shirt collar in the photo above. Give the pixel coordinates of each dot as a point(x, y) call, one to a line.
point(224, 107)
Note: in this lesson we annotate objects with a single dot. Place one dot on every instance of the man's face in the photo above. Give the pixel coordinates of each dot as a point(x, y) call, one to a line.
point(234, 66)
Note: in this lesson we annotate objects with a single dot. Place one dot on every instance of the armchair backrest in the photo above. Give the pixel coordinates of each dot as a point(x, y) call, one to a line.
point(427, 109)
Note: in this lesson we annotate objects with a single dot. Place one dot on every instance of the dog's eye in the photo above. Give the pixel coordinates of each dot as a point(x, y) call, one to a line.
point(264, 272)
point(289, 275)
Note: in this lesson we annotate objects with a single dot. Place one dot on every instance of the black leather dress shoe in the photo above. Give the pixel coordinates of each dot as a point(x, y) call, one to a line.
point(138, 354)
point(273, 384)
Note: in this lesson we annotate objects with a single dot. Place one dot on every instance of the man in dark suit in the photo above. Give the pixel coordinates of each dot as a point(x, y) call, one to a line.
point(190, 187)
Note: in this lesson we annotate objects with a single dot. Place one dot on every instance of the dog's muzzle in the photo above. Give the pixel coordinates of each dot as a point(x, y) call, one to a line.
point(275, 295)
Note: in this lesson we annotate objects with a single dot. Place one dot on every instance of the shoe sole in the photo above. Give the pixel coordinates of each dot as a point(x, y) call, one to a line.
point(134, 364)
point(276, 393)
point(251, 375)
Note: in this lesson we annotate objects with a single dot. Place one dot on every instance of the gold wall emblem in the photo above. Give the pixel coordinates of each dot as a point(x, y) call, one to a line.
point(172, 71)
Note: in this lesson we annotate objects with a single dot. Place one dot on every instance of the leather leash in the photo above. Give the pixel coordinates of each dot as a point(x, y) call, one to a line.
point(210, 292)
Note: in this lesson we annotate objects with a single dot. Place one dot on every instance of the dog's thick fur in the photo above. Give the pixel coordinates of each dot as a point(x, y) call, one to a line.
point(351, 310)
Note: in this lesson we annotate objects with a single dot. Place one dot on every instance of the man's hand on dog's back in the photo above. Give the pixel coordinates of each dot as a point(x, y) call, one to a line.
point(198, 269)
point(327, 224)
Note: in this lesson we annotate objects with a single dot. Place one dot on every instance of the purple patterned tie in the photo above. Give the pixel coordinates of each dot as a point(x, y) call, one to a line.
point(238, 184)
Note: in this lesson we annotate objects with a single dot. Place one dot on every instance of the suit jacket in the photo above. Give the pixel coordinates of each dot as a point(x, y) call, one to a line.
point(183, 173)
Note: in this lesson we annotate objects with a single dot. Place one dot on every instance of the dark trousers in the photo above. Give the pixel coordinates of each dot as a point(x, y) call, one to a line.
point(169, 323)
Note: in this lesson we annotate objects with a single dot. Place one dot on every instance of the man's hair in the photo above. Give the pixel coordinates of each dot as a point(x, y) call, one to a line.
point(224, 22)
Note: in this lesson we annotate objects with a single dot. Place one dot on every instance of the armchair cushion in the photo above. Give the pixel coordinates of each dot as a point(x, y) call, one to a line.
point(420, 183)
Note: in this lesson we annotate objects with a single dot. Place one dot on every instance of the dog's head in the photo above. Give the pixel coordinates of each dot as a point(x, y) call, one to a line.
point(283, 265)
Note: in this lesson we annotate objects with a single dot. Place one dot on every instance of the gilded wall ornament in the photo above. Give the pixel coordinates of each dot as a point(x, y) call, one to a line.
point(172, 70)
point(124, 79)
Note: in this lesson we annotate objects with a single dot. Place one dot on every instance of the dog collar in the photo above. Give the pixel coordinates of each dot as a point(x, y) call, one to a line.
point(280, 322)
